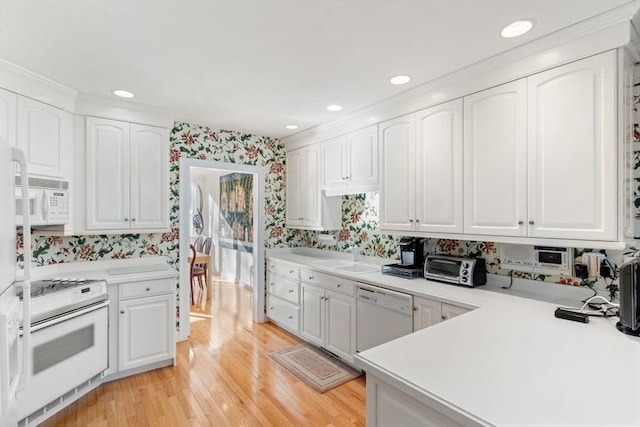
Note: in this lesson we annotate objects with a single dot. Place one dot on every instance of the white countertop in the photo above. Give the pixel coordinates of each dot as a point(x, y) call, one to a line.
point(508, 362)
point(113, 271)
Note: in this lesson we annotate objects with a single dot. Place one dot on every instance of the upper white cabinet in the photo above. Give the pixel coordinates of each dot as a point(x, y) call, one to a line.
point(495, 160)
point(540, 155)
point(397, 173)
point(421, 170)
point(350, 162)
point(8, 101)
point(572, 121)
point(45, 134)
point(439, 169)
point(307, 207)
point(126, 176)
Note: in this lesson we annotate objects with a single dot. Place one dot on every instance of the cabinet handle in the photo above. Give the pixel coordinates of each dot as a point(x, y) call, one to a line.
point(271, 284)
point(339, 285)
point(417, 220)
point(148, 289)
point(530, 222)
point(520, 222)
point(126, 220)
point(291, 271)
point(121, 311)
point(410, 220)
point(311, 277)
point(290, 291)
point(415, 308)
point(133, 219)
point(444, 317)
point(290, 317)
point(301, 218)
point(270, 308)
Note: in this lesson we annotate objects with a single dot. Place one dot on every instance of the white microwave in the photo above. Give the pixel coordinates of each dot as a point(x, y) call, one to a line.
point(48, 201)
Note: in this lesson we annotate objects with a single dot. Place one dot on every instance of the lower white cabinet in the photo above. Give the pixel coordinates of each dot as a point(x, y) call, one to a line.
point(329, 320)
point(146, 323)
point(427, 312)
point(283, 286)
point(388, 406)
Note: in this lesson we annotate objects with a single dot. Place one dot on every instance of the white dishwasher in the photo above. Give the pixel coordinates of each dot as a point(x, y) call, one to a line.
point(382, 315)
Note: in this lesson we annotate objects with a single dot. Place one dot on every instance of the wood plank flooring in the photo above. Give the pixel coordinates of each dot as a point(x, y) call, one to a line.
point(223, 377)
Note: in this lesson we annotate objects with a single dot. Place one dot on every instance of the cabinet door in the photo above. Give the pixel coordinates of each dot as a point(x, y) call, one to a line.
point(312, 308)
point(149, 177)
point(495, 161)
point(45, 134)
point(449, 311)
point(362, 160)
point(572, 150)
point(294, 186)
point(439, 168)
point(341, 325)
point(8, 102)
point(334, 163)
point(107, 169)
point(145, 331)
point(310, 187)
point(397, 173)
point(426, 312)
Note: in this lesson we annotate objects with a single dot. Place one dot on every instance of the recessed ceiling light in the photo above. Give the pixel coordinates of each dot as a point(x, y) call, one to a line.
point(399, 80)
point(123, 93)
point(334, 107)
point(517, 28)
point(291, 127)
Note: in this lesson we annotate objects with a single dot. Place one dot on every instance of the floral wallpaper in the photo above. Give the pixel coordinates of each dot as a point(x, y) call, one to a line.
point(192, 141)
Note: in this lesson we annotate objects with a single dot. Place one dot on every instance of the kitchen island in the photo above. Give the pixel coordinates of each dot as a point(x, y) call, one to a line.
point(507, 362)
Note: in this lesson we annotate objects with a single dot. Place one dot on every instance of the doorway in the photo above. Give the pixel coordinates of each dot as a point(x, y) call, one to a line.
point(237, 249)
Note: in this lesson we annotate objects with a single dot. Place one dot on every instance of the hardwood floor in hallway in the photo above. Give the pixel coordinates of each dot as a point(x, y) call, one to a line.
point(223, 377)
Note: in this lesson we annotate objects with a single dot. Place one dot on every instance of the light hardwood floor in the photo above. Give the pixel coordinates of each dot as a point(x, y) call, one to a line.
point(223, 377)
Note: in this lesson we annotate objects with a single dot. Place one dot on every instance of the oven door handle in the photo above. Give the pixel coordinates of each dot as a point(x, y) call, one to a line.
point(68, 316)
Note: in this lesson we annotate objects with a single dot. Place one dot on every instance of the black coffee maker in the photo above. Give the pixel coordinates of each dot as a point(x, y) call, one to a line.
point(411, 252)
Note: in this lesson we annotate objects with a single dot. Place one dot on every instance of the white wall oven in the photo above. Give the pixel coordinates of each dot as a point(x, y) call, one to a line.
point(68, 351)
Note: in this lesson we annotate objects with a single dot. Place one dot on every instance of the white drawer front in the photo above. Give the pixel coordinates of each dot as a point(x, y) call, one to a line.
point(283, 287)
point(328, 281)
point(283, 313)
point(146, 288)
point(288, 270)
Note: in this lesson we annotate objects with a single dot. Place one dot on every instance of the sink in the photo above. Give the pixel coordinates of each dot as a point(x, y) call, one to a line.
point(359, 268)
point(332, 263)
point(350, 266)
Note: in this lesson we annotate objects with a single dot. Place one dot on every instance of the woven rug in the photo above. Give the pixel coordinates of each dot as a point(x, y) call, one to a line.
point(319, 371)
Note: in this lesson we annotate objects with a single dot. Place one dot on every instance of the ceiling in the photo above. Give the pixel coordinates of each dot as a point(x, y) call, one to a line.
point(257, 65)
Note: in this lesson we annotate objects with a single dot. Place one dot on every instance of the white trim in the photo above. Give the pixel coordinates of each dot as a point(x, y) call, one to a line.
point(601, 33)
point(117, 109)
point(259, 173)
point(27, 83)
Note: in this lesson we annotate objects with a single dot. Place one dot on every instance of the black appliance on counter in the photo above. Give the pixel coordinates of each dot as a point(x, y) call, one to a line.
point(411, 259)
point(630, 298)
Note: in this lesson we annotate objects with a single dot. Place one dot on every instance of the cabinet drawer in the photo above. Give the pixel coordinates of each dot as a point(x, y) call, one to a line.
point(283, 313)
point(283, 287)
point(288, 270)
point(328, 281)
point(145, 288)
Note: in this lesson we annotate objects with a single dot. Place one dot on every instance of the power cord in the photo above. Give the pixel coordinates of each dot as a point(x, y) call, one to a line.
point(602, 310)
point(510, 282)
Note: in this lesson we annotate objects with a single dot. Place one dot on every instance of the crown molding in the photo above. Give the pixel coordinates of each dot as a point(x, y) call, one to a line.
point(17, 79)
point(115, 109)
point(603, 32)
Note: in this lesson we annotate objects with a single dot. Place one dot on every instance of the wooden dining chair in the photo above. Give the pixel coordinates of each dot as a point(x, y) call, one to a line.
point(199, 242)
point(196, 273)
